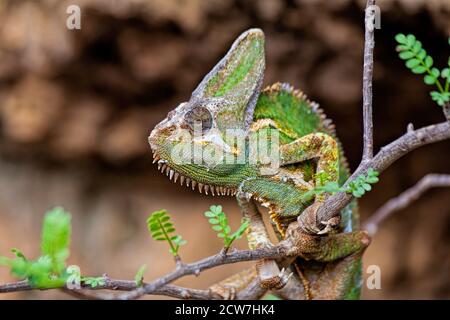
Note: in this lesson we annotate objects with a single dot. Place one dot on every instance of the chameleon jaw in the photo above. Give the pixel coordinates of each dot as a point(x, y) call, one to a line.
point(174, 175)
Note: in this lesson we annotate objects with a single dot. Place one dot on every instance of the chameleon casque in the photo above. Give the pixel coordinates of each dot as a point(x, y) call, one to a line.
point(327, 263)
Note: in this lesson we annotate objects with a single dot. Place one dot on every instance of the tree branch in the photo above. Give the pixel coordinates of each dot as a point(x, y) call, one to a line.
point(405, 199)
point(161, 286)
point(384, 158)
point(446, 110)
point(195, 268)
point(369, 45)
point(115, 285)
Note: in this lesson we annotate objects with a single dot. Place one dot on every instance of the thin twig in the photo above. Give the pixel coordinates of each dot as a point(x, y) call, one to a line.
point(405, 199)
point(161, 285)
point(369, 45)
point(383, 159)
point(446, 110)
point(195, 268)
point(115, 285)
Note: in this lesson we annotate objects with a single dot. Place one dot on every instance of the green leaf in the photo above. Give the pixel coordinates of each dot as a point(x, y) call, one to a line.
point(159, 214)
point(220, 224)
point(410, 40)
point(401, 38)
point(157, 234)
point(445, 73)
point(154, 226)
point(419, 70)
point(417, 46)
point(139, 277)
point(18, 253)
point(362, 183)
point(227, 229)
point(94, 282)
point(49, 270)
point(40, 273)
point(165, 218)
point(179, 241)
point(440, 98)
point(428, 61)
point(19, 266)
point(406, 55)
point(430, 80)
point(435, 72)
point(372, 180)
point(400, 48)
point(55, 237)
point(244, 225)
point(422, 54)
point(216, 209)
point(412, 63)
point(209, 214)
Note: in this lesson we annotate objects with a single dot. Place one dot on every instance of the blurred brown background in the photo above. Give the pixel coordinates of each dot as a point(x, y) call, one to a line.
point(76, 108)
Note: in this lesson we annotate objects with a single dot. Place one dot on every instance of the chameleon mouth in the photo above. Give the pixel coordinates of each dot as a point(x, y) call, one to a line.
point(174, 175)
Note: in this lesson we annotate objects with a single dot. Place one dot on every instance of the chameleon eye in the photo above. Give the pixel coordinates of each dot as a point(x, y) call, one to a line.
point(199, 116)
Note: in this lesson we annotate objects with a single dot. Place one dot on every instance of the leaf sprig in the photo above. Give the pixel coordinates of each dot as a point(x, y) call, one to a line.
point(139, 277)
point(161, 229)
point(362, 183)
point(93, 282)
point(49, 270)
point(357, 187)
point(219, 221)
point(419, 62)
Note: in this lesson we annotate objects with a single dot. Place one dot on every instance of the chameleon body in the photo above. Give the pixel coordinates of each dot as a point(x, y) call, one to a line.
point(193, 145)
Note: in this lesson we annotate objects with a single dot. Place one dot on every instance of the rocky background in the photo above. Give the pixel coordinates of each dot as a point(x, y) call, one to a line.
point(76, 108)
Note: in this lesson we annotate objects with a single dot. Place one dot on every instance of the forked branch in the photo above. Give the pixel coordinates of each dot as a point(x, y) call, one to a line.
point(405, 199)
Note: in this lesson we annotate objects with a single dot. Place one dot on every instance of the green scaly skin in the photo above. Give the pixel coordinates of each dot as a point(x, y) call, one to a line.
point(230, 97)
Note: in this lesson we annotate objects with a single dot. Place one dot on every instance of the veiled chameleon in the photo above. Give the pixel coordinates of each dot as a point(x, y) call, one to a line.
point(213, 143)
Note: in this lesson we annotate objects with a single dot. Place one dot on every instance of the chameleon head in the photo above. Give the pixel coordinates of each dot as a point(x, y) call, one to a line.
point(199, 140)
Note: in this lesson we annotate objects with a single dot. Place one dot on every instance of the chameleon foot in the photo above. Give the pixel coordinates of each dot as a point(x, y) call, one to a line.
point(270, 282)
point(330, 225)
point(223, 291)
point(307, 221)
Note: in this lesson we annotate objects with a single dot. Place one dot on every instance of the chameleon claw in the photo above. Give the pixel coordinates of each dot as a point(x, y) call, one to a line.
point(284, 277)
point(330, 225)
point(224, 292)
point(277, 282)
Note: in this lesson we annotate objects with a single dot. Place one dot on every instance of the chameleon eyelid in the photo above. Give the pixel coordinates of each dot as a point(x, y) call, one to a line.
point(199, 114)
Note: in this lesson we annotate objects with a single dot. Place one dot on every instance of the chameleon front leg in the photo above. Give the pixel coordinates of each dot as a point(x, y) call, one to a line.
point(315, 145)
point(257, 236)
point(341, 254)
point(325, 149)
